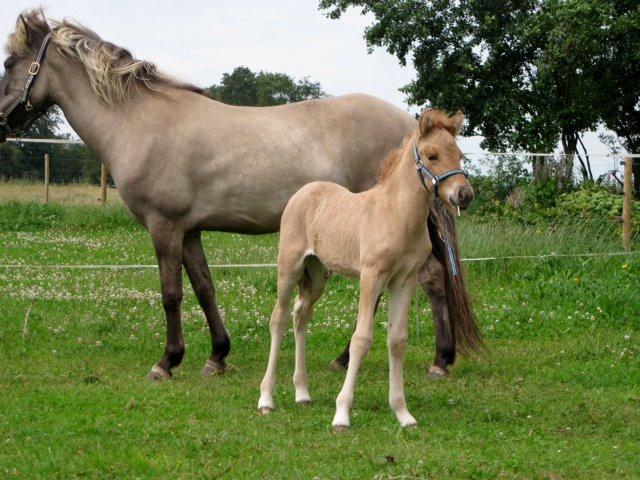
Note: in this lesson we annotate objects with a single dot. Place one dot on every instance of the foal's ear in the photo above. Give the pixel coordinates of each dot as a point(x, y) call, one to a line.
point(456, 123)
point(427, 121)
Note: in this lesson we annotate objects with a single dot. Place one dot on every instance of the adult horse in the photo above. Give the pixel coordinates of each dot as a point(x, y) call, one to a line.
point(184, 163)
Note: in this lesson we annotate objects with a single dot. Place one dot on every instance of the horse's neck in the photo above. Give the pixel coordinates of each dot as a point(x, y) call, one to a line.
point(104, 129)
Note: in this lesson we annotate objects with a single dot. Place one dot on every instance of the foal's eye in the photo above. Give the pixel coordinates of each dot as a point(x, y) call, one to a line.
point(432, 158)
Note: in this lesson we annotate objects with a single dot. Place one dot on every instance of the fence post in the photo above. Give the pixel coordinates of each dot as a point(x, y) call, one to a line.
point(46, 178)
point(104, 176)
point(627, 204)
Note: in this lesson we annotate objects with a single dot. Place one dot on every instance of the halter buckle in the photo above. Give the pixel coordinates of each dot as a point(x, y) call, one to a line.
point(28, 107)
point(34, 68)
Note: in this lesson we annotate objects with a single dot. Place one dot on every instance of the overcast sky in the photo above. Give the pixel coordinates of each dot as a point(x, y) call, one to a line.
point(198, 41)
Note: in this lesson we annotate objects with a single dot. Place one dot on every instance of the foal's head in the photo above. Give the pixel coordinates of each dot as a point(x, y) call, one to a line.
point(438, 150)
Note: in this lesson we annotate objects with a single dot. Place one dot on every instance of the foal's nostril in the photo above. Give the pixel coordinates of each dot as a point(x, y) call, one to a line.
point(465, 196)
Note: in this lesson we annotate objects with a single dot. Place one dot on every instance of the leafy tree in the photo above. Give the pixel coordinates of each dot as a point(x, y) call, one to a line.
point(527, 73)
point(244, 87)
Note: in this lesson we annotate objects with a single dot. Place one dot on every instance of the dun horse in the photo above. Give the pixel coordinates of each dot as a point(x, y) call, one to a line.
point(184, 163)
point(377, 236)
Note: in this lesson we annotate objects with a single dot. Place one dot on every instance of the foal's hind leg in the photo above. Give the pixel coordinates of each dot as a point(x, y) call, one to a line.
point(431, 278)
point(195, 263)
point(289, 274)
point(312, 286)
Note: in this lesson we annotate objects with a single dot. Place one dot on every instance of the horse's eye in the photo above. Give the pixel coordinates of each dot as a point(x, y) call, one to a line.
point(8, 63)
point(432, 158)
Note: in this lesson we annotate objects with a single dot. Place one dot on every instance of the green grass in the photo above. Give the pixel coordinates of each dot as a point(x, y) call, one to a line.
point(557, 396)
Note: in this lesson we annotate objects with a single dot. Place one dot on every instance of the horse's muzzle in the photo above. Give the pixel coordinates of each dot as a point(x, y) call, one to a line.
point(462, 196)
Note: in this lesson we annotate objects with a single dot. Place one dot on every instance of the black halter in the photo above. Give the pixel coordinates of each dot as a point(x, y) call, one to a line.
point(436, 180)
point(23, 98)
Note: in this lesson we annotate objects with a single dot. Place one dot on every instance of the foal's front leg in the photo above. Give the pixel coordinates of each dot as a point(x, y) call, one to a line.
point(371, 286)
point(400, 294)
point(167, 240)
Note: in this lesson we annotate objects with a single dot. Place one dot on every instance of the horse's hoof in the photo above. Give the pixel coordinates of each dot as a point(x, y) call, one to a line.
point(306, 401)
point(437, 373)
point(410, 426)
point(337, 366)
point(212, 368)
point(340, 428)
point(265, 410)
point(158, 373)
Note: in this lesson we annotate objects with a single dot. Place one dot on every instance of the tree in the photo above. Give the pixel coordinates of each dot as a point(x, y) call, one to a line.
point(621, 101)
point(526, 72)
point(244, 87)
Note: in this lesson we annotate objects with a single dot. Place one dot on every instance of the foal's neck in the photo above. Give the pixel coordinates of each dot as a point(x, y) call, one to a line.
point(404, 192)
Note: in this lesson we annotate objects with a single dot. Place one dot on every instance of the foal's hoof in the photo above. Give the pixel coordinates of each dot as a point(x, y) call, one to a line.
point(337, 366)
point(437, 373)
point(340, 428)
point(306, 402)
point(158, 373)
point(212, 368)
point(265, 410)
point(410, 426)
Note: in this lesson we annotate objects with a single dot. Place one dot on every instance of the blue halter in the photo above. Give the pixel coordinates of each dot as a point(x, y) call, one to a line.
point(436, 180)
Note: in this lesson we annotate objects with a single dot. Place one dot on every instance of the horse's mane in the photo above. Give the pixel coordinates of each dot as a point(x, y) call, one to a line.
point(392, 160)
point(112, 70)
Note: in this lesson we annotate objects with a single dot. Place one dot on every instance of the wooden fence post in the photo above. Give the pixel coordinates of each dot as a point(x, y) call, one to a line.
point(46, 178)
point(627, 204)
point(104, 176)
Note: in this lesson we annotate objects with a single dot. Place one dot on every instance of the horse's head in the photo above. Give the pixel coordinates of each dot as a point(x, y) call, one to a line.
point(23, 88)
point(437, 149)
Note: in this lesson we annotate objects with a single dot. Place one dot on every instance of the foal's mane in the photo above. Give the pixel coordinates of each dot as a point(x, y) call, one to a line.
point(113, 71)
point(392, 160)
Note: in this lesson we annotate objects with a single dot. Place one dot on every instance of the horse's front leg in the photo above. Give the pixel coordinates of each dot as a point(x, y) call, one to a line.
point(400, 294)
point(371, 286)
point(167, 237)
point(195, 263)
point(431, 278)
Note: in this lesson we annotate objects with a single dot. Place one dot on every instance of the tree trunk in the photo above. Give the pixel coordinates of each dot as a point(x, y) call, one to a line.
point(570, 147)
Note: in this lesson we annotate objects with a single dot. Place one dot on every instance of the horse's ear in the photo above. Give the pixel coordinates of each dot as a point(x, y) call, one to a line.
point(426, 121)
point(456, 123)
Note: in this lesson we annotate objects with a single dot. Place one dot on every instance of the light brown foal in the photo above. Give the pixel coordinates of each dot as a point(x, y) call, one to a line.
point(379, 236)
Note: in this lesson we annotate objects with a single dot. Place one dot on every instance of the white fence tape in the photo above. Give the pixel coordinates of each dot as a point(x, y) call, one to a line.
point(273, 265)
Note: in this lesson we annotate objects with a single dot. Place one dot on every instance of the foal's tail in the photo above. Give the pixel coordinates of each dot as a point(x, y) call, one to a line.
point(461, 315)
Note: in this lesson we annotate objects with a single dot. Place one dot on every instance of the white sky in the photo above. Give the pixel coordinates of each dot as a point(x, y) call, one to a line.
point(198, 41)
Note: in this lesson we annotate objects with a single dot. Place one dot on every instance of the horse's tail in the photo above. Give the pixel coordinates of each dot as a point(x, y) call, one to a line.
point(461, 315)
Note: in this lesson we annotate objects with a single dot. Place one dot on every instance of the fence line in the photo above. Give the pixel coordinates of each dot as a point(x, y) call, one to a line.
point(273, 265)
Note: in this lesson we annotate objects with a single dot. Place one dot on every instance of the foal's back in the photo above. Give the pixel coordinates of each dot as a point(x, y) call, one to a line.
point(326, 220)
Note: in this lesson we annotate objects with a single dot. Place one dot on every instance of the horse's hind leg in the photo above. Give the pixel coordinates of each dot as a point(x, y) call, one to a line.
point(431, 278)
point(167, 240)
point(312, 286)
point(289, 273)
point(195, 263)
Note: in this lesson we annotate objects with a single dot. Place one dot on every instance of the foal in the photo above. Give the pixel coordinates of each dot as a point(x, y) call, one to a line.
point(379, 236)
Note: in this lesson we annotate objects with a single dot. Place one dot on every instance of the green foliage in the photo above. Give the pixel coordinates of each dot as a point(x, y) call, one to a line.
point(244, 87)
point(526, 72)
point(32, 217)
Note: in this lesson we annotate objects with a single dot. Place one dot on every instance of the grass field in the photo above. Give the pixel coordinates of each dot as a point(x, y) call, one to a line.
point(557, 396)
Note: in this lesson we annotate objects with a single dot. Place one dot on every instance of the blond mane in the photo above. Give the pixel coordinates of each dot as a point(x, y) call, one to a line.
point(113, 71)
point(392, 160)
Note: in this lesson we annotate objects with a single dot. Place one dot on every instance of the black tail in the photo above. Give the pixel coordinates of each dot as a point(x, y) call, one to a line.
point(461, 315)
